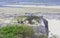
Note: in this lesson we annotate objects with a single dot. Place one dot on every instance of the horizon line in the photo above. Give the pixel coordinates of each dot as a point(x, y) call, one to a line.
point(42, 6)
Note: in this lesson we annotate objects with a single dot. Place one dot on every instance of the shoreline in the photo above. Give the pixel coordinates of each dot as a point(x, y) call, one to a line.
point(37, 6)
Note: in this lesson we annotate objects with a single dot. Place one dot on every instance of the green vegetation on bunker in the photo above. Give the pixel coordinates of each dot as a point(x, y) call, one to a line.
point(16, 31)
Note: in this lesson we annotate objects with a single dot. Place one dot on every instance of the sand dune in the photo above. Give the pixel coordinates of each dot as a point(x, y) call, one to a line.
point(37, 9)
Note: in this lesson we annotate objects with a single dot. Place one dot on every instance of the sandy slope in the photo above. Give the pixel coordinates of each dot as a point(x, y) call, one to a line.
point(54, 26)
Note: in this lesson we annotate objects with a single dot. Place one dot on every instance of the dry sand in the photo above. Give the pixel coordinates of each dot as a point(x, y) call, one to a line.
point(37, 9)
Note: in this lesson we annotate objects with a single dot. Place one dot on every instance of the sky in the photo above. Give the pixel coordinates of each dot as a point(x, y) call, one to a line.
point(44, 2)
point(33, 0)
